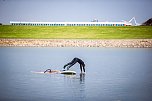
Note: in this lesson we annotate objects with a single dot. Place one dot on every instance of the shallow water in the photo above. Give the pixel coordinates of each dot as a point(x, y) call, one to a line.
point(112, 74)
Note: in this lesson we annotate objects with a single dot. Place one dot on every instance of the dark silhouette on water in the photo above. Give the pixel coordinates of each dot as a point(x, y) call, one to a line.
point(74, 61)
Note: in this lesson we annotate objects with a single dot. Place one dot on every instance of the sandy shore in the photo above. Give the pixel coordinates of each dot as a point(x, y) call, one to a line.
point(123, 43)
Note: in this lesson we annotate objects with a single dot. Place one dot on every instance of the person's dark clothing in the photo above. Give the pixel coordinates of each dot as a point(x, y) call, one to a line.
point(74, 61)
point(48, 70)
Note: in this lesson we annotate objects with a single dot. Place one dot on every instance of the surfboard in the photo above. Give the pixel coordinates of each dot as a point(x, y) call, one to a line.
point(53, 71)
point(37, 72)
point(68, 72)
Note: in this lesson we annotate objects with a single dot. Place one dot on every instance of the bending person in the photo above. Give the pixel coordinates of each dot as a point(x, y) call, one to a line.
point(74, 61)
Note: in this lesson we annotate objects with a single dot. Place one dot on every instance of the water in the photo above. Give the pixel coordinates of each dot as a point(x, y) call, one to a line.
point(112, 74)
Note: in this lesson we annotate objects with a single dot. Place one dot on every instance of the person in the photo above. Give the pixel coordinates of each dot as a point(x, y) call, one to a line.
point(74, 61)
point(51, 71)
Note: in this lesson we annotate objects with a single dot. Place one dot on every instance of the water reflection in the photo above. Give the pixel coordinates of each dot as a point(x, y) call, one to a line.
point(112, 74)
point(76, 83)
point(82, 78)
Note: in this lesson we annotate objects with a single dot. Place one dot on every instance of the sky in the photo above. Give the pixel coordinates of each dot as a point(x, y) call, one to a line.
point(74, 10)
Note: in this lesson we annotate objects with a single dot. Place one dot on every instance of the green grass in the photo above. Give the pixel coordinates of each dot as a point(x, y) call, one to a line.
point(67, 32)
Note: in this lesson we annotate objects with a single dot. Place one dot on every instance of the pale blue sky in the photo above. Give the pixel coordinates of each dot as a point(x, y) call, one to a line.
point(74, 10)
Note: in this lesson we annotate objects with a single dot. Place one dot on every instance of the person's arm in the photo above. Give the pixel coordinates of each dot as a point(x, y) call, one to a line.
point(66, 65)
point(69, 63)
point(47, 70)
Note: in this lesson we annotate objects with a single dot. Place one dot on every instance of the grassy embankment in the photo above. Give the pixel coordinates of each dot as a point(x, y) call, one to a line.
point(94, 32)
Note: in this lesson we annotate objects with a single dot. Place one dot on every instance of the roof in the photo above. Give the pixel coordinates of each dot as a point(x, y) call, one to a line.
point(127, 23)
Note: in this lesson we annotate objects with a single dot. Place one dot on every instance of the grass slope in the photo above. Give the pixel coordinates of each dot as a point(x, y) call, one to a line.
point(82, 32)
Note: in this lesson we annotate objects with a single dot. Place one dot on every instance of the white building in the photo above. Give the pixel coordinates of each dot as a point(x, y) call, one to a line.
point(71, 23)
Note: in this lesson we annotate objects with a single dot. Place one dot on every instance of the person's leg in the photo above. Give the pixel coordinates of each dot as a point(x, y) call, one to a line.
point(84, 68)
point(81, 68)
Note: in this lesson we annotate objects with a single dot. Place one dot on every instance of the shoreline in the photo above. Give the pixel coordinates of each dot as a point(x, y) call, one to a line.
point(107, 43)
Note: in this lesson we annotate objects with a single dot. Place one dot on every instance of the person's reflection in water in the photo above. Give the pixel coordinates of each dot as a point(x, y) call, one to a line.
point(77, 84)
point(82, 78)
point(82, 87)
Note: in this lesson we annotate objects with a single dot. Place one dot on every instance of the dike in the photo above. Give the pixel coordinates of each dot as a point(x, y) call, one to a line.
point(122, 43)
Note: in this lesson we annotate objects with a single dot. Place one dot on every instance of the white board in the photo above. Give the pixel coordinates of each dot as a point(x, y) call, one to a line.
point(53, 71)
point(37, 72)
point(68, 72)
